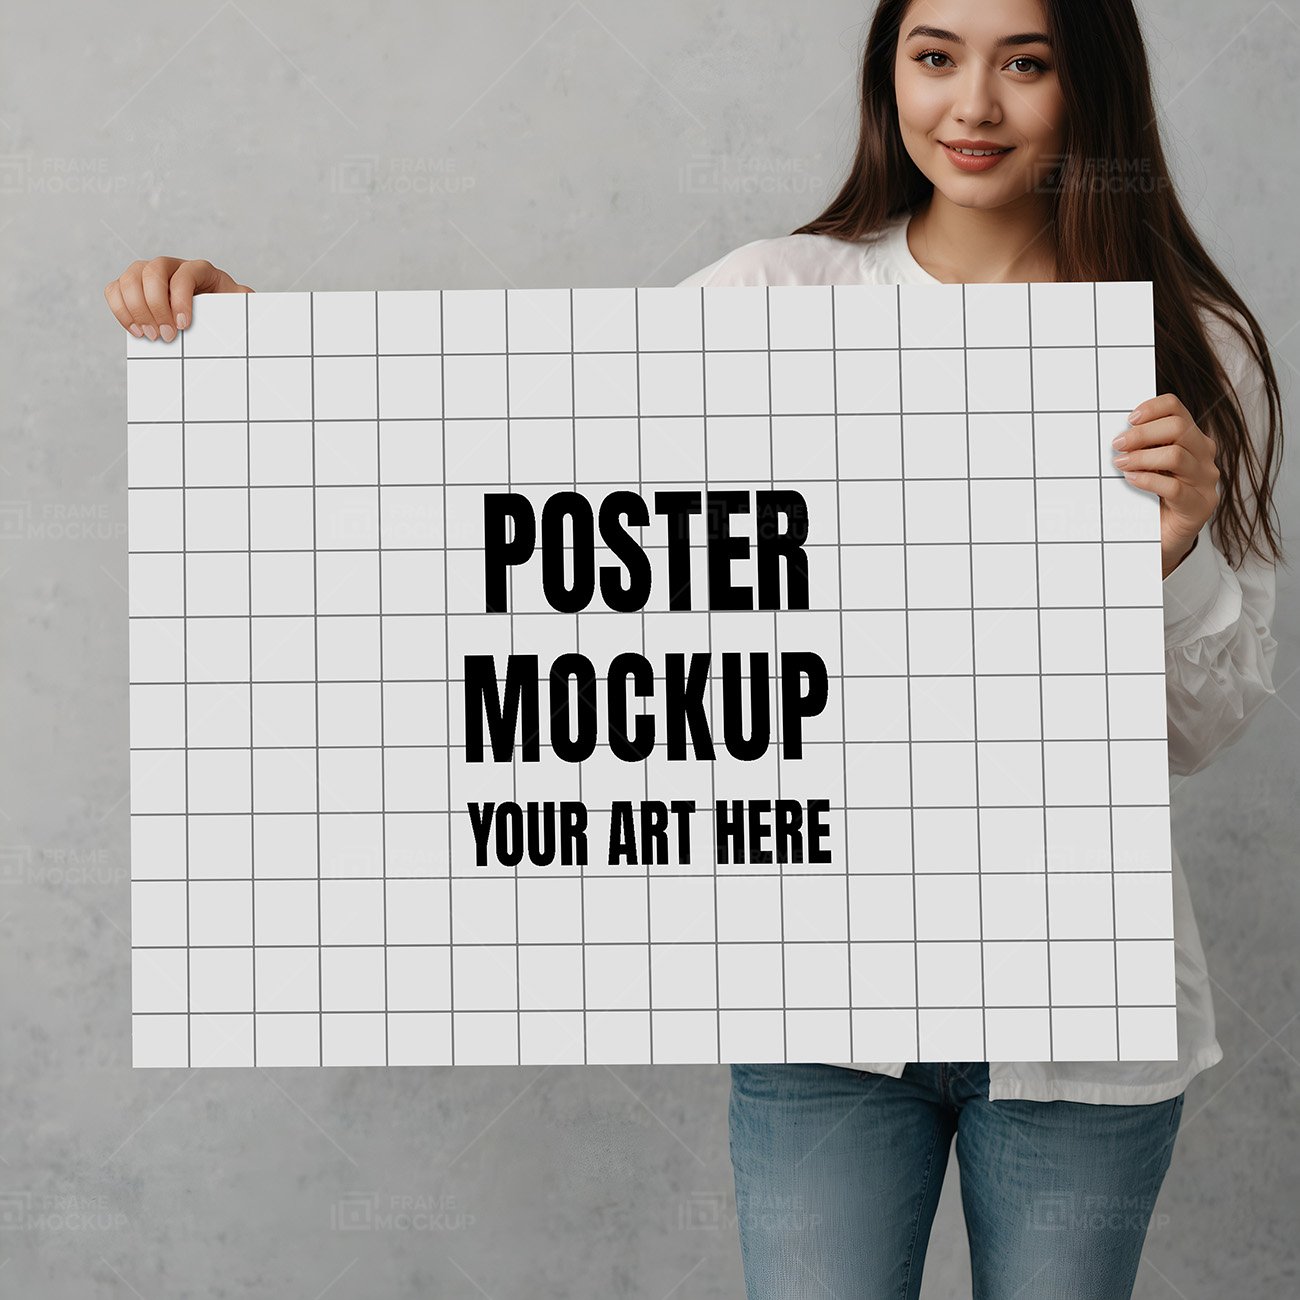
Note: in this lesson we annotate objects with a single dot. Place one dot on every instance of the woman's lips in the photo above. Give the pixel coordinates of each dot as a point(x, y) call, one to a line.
point(968, 163)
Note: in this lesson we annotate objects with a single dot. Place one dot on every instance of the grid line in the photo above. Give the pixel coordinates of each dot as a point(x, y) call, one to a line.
point(975, 704)
point(446, 634)
point(185, 670)
point(1038, 626)
point(713, 768)
point(315, 577)
point(907, 652)
point(844, 724)
point(383, 694)
point(252, 758)
point(1105, 650)
point(645, 786)
point(514, 755)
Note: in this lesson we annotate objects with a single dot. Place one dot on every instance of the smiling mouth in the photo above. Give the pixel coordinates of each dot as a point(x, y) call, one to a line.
point(976, 153)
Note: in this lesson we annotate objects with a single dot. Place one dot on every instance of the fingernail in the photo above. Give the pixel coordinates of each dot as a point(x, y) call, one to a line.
point(1121, 461)
point(182, 320)
point(136, 330)
point(1134, 414)
point(151, 332)
point(168, 333)
point(1120, 441)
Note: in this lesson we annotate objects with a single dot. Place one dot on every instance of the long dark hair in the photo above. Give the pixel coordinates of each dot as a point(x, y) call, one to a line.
point(1130, 227)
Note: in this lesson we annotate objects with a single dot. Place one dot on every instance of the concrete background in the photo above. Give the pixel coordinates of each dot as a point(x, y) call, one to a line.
point(402, 145)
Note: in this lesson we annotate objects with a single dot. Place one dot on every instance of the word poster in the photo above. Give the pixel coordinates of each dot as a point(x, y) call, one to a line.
point(647, 675)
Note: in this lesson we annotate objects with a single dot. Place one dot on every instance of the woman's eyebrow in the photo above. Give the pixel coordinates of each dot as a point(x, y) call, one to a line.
point(941, 34)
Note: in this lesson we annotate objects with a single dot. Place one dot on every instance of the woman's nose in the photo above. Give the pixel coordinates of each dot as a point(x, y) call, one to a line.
point(975, 99)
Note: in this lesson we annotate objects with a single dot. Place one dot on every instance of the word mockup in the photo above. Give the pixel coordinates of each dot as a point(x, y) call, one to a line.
point(647, 676)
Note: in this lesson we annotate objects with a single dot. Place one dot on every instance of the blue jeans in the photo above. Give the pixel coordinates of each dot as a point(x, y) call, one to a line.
point(838, 1172)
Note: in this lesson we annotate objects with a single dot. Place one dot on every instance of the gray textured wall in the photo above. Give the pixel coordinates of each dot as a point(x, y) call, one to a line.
point(398, 145)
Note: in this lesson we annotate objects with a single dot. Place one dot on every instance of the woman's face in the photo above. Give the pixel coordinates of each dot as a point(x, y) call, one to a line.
point(956, 82)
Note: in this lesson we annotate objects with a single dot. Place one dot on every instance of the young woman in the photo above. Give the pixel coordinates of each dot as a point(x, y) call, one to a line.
point(1006, 140)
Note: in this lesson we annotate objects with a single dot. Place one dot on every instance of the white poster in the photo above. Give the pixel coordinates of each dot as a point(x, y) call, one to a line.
point(635, 676)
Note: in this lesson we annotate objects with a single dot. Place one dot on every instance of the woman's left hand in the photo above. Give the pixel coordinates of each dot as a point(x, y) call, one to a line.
point(1165, 453)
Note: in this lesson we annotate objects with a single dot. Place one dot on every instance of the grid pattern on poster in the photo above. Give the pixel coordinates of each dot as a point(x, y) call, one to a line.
point(306, 482)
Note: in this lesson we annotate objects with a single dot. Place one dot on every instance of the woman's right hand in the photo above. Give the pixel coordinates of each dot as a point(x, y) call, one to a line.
point(155, 299)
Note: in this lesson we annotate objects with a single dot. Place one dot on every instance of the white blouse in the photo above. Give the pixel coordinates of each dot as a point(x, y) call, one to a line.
point(1219, 655)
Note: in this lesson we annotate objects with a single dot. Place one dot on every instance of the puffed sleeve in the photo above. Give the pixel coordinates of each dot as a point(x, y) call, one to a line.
point(1219, 646)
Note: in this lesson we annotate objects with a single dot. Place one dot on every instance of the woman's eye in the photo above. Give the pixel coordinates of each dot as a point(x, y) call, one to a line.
point(1035, 65)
